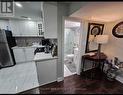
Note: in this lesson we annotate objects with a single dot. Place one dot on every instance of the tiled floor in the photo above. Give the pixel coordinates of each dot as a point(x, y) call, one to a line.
point(67, 72)
point(69, 67)
point(18, 78)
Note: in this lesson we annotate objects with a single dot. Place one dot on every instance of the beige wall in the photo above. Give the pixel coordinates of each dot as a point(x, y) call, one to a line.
point(84, 37)
point(114, 47)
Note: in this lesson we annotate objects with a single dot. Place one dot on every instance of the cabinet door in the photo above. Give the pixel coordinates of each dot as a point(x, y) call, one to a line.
point(46, 71)
point(50, 21)
point(31, 28)
point(19, 55)
point(14, 27)
point(23, 27)
point(28, 28)
point(29, 53)
point(40, 29)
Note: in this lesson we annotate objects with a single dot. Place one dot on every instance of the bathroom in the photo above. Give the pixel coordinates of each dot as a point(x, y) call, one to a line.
point(71, 42)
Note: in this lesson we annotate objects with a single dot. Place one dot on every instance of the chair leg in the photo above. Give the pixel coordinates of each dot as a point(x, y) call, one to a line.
point(93, 65)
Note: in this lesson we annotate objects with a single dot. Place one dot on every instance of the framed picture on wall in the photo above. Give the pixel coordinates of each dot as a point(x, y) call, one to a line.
point(93, 30)
point(117, 30)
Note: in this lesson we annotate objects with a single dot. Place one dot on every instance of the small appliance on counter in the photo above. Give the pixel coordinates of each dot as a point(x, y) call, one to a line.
point(47, 44)
point(54, 50)
point(39, 49)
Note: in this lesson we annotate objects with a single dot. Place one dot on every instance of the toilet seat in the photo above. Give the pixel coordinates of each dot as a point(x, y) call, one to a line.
point(70, 57)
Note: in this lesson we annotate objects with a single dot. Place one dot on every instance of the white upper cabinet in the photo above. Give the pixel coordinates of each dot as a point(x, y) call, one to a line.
point(28, 28)
point(50, 20)
point(24, 28)
point(40, 29)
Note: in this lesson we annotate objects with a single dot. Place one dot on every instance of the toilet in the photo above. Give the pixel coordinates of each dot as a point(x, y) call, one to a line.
point(70, 57)
point(75, 60)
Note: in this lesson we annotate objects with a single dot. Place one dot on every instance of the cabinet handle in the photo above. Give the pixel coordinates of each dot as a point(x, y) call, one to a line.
point(39, 32)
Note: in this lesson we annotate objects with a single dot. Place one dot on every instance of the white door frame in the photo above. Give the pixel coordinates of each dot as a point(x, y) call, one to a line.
point(80, 42)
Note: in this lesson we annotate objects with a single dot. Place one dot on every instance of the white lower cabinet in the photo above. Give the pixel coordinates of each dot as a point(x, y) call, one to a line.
point(23, 54)
point(46, 71)
point(19, 55)
point(29, 54)
point(25, 28)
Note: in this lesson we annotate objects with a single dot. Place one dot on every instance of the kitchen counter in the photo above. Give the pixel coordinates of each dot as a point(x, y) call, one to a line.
point(46, 68)
point(43, 56)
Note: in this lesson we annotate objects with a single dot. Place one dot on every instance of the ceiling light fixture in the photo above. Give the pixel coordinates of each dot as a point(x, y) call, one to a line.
point(18, 4)
point(29, 18)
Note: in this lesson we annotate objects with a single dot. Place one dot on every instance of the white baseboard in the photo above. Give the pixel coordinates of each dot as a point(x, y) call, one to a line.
point(47, 83)
point(59, 79)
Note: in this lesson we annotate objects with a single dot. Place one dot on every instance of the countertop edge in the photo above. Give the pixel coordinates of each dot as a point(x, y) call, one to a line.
point(45, 59)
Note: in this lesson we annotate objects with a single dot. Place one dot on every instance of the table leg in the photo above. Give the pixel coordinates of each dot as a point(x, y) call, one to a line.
point(83, 64)
point(103, 65)
point(93, 65)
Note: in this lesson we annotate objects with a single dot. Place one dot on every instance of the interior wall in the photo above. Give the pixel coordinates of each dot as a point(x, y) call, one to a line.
point(62, 13)
point(68, 41)
point(74, 6)
point(115, 45)
point(4, 24)
point(83, 41)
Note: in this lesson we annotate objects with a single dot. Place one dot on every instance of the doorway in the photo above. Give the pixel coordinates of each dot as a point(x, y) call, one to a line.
point(71, 46)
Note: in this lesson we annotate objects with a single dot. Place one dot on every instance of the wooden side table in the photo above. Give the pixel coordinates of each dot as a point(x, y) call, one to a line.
point(95, 59)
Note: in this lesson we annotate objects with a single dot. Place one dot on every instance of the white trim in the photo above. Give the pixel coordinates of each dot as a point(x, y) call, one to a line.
point(63, 26)
point(60, 79)
point(47, 83)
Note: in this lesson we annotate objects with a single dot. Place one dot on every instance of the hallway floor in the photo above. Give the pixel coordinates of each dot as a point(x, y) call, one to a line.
point(81, 85)
point(69, 68)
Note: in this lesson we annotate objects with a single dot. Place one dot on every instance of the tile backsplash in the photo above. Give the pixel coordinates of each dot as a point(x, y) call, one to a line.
point(27, 41)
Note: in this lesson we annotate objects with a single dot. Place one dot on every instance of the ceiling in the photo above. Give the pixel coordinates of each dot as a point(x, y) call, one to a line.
point(100, 11)
point(71, 24)
point(30, 9)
